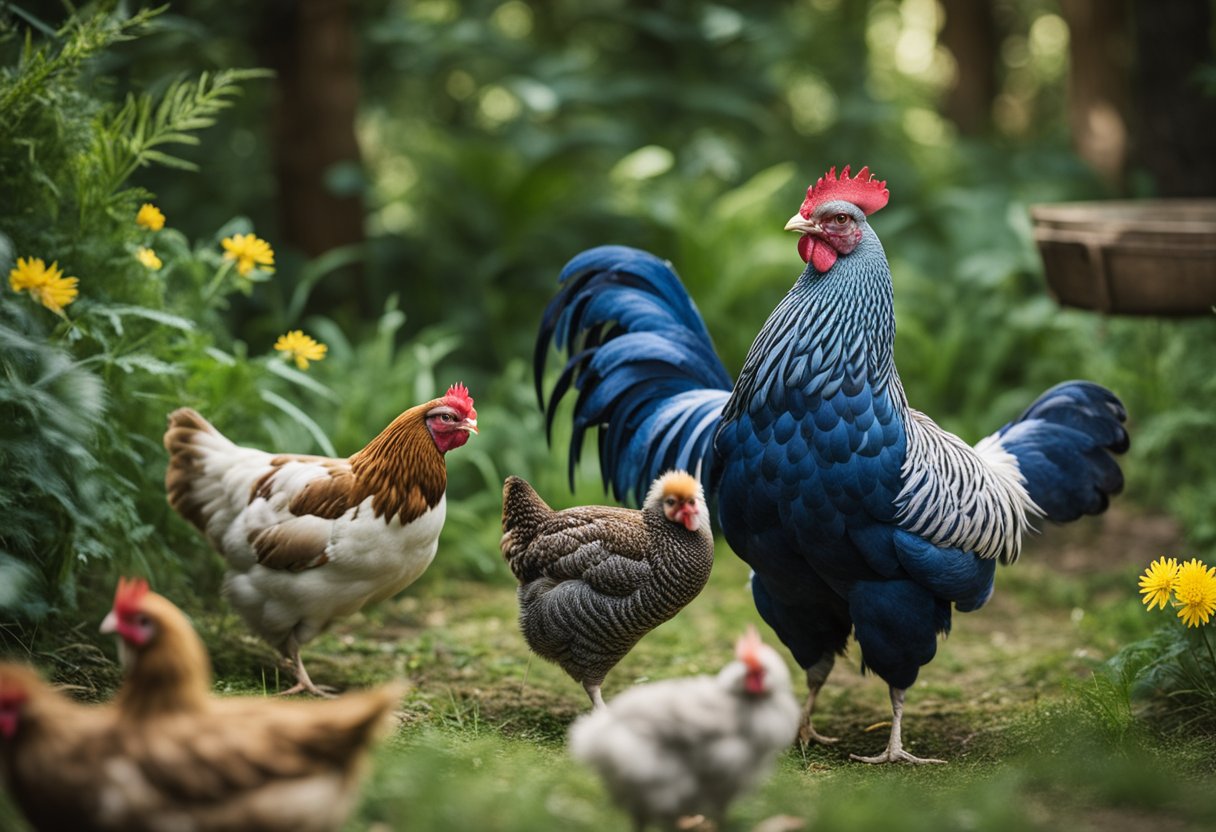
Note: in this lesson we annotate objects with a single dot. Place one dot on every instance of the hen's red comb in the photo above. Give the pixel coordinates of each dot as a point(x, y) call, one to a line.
point(863, 190)
point(747, 648)
point(129, 595)
point(459, 398)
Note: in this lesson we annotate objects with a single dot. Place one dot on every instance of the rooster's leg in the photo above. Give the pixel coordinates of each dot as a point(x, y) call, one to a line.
point(593, 690)
point(303, 682)
point(816, 675)
point(895, 747)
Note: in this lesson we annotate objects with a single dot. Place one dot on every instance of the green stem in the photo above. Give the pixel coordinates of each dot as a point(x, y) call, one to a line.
point(1208, 644)
point(216, 282)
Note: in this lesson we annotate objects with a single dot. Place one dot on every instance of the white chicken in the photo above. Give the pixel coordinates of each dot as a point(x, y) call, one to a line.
point(681, 747)
point(311, 539)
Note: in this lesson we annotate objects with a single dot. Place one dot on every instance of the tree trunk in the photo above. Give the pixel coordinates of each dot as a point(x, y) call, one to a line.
point(310, 44)
point(1097, 80)
point(970, 35)
point(1176, 120)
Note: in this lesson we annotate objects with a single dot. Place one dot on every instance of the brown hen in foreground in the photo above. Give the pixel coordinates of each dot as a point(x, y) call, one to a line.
point(594, 579)
point(52, 752)
point(166, 755)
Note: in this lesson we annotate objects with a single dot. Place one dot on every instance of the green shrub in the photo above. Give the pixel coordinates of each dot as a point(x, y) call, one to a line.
point(87, 380)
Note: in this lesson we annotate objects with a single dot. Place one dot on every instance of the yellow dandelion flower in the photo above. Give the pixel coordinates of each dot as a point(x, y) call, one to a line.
point(150, 217)
point(1195, 592)
point(28, 272)
point(302, 348)
point(148, 258)
point(249, 251)
point(56, 293)
point(46, 284)
point(1158, 582)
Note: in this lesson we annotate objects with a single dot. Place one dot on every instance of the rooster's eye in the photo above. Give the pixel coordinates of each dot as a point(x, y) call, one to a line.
point(840, 219)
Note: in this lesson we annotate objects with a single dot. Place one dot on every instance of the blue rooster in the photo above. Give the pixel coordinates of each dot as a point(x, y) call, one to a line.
point(857, 514)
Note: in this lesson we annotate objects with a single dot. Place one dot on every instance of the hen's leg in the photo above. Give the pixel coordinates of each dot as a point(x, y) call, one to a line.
point(816, 675)
point(303, 682)
point(895, 747)
point(593, 691)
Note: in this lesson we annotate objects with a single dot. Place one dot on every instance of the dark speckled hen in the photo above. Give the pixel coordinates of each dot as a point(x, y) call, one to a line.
point(594, 579)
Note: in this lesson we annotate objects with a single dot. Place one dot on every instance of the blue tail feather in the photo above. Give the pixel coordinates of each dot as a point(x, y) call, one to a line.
point(643, 363)
point(1065, 444)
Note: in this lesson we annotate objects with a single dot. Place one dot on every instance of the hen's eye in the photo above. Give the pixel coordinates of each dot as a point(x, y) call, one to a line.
point(448, 417)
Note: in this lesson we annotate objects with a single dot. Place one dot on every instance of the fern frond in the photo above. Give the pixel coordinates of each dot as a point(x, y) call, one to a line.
point(130, 137)
point(25, 86)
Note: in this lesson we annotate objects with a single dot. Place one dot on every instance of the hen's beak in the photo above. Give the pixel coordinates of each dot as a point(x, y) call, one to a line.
point(109, 624)
point(470, 425)
point(687, 514)
point(802, 225)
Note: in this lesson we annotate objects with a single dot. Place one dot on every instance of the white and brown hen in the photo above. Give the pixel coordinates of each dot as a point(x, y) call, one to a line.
point(593, 580)
point(684, 747)
point(311, 539)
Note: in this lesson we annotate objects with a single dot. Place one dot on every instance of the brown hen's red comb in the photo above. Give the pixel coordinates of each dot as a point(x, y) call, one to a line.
point(459, 398)
point(129, 595)
point(863, 190)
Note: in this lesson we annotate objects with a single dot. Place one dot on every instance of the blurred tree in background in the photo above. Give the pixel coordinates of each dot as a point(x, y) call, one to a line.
point(423, 169)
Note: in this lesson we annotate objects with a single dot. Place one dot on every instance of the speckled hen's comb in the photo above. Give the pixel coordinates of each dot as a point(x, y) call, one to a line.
point(863, 190)
point(129, 595)
point(459, 398)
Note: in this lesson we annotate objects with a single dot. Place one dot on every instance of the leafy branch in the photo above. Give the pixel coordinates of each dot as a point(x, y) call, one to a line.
point(133, 136)
point(25, 86)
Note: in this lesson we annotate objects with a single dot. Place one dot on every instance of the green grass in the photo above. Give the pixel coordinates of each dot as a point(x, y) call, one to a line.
point(1032, 741)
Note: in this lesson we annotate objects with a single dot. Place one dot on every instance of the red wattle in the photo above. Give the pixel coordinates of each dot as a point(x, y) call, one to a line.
point(8, 724)
point(804, 247)
point(823, 256)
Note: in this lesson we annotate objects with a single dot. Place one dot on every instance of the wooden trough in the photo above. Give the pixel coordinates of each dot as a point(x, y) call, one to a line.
point(1134, 257)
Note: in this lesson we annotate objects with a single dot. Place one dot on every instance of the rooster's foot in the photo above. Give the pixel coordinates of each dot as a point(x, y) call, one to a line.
point(323, 691)
point(807, 735)
point(897, 755)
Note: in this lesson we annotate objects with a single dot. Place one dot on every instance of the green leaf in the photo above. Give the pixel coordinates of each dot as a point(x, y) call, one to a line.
point(148, 364)
point(301, 418)
point(304, 380)
point(116, 311)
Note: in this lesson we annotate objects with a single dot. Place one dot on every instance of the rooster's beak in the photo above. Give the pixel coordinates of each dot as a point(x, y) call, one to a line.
point(470, 425)
point(802, 225)
point(109, 624)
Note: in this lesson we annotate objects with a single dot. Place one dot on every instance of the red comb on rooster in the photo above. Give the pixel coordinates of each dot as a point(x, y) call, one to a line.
point(863, 190)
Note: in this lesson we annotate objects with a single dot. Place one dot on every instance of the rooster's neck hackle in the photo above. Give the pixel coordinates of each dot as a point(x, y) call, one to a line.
point(833, 331)
point(402, 469)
